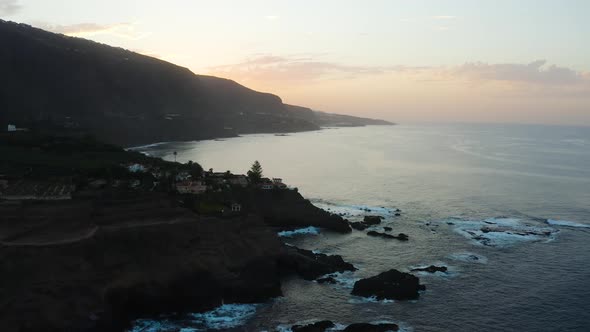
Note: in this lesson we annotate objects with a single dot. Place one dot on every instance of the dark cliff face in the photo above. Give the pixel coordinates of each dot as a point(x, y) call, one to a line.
point(123, 273)
point(52, 81)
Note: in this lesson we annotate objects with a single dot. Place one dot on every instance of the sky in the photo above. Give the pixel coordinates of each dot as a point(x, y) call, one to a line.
point(520, 61)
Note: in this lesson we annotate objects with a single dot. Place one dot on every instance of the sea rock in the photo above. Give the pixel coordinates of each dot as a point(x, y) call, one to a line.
point(372, 220)
point(387, 229)
point(431, 269)
point(320, 326)
point(400, 236)
point(392, 285)
point(366, 327)
point(359, 226)
point(287, 209)
point(310, 265)
point(126, 272)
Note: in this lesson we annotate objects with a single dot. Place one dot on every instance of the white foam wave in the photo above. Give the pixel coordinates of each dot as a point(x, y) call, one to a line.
point(344, 279)
point(372, 299)
point(500, 232)
point(567, 223)
point(355, 211)
point(302, 231)
point(226, 316)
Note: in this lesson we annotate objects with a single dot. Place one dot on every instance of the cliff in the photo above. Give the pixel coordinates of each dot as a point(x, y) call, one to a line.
point(54, 82)
point(114, 252)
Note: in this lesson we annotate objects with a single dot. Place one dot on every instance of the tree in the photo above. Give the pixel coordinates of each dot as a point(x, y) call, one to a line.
point(255, 172)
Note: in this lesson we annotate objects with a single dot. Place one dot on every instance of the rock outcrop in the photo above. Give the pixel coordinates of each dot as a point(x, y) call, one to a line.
point(392, 285)
point(287, 209)
point(320, 326)
point(122, 273)
point(431, 269)
point(400, 236)
point(310, 265)
point(372, 220)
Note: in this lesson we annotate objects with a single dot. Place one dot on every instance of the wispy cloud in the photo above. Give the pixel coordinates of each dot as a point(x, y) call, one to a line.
point(308, 68)
point(294, 68)
point(9, 7)
point(124, 30)
point(536, 72)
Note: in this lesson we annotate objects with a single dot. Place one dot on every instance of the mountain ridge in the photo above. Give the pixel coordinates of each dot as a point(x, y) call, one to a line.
point(52, 82)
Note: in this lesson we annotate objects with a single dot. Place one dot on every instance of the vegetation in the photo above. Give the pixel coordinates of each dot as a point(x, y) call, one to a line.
point(255, 173)
point(34, 155)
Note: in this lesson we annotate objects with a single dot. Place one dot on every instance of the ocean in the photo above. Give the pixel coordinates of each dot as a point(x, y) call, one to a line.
point(528, 185)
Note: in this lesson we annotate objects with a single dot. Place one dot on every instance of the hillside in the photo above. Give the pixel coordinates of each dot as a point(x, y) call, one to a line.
point(52, 82)
point(323, 119)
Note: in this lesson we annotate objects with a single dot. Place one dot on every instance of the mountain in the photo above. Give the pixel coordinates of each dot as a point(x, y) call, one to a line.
point(51, 82)
point(323, 119)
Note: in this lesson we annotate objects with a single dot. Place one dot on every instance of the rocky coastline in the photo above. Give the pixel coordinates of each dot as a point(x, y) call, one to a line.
point(119, 248)
point(166, 260)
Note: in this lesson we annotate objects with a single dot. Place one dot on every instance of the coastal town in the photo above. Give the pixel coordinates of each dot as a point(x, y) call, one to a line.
point(207, 191)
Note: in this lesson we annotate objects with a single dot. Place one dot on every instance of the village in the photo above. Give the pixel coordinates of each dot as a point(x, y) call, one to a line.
point(204, 192)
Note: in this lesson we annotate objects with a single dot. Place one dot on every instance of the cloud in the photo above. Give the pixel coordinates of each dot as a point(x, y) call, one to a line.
point(536, 72)
point(9, 7)
point(536, 77)
point(292, 68)
point(122, 30)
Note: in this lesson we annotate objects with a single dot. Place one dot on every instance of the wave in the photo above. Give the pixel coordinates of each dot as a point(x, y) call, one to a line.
point(500, 231)
point(141, 147)
point(302, 231)
point(372, 299)
point(227, 316)
point(344, 279)
point(567, 223)
point(355, 211)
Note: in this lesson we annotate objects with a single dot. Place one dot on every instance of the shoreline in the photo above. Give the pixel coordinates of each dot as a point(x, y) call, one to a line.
point(277, 133)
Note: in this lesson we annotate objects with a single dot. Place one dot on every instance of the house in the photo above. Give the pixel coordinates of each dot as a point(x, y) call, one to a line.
point(236, 207)
point(278, 183)
point(266, 184)
point(191, 187)
point(238, 180)
point(231, 210)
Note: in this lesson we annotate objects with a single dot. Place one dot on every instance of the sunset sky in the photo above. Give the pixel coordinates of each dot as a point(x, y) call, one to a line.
point(406, 61)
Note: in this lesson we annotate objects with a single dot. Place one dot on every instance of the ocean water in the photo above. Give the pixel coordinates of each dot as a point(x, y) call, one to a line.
point(505, 207)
